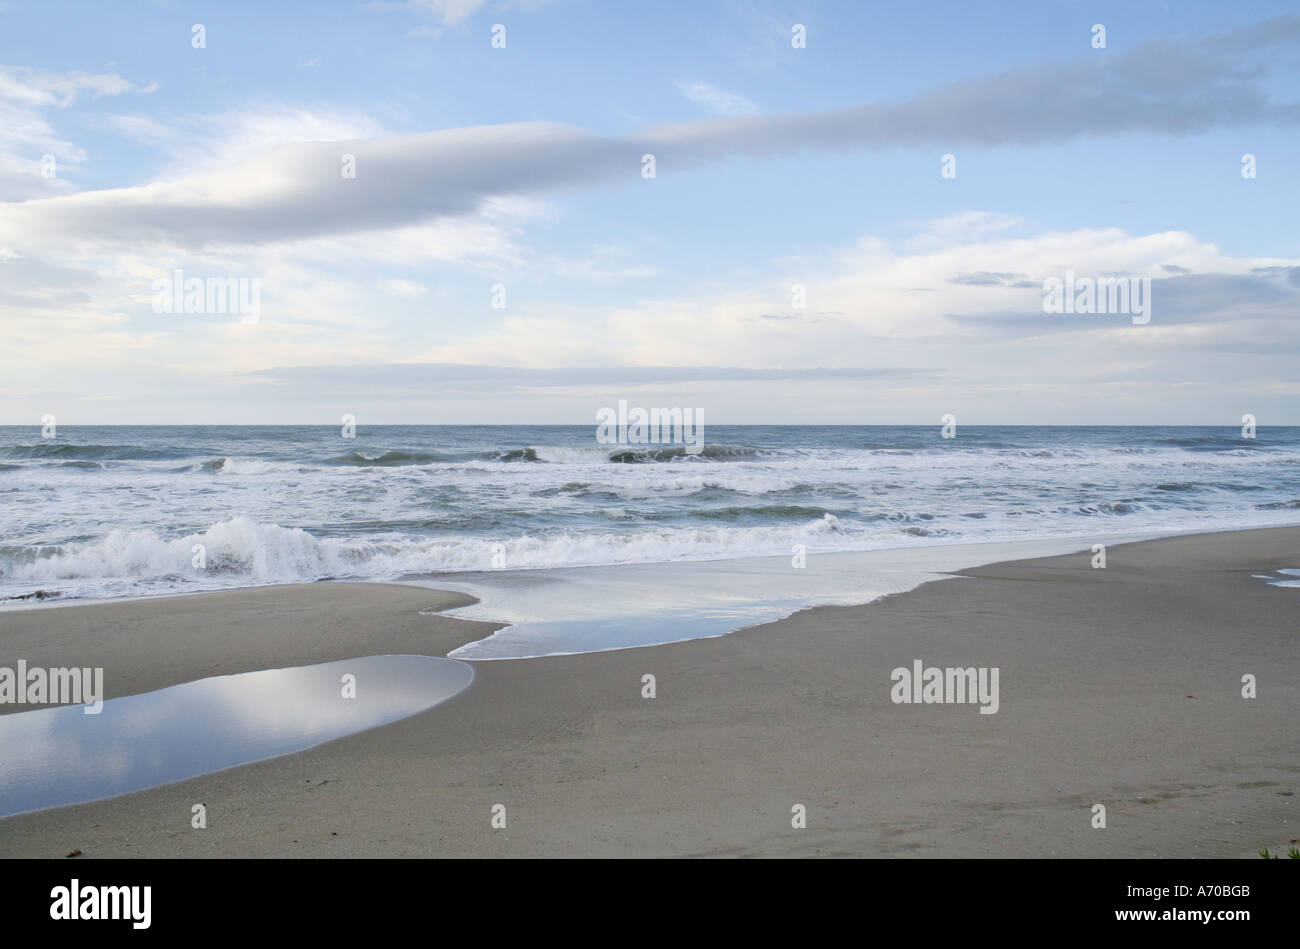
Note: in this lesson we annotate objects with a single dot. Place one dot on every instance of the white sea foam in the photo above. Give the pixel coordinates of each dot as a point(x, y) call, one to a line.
point(118, 512)
point(241, 551)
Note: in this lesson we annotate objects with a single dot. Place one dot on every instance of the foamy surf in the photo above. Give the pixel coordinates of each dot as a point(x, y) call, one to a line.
point(132, 511)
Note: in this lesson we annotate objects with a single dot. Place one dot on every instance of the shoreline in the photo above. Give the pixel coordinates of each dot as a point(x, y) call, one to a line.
point(431, 581)
point(1098, 672)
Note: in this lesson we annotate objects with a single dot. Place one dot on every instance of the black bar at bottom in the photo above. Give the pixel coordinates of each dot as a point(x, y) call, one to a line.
point(329, 898)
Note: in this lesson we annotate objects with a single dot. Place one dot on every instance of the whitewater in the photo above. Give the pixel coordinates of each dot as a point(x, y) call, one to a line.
point(128, 511)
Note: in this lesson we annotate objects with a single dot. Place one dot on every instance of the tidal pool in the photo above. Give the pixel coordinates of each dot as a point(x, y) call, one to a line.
point(1286, 578)
point(56, 756)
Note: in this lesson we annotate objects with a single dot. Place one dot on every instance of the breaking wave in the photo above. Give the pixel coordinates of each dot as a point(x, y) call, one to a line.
point(120, 511)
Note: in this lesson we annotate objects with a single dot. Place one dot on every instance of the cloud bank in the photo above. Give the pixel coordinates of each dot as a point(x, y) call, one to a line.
point(1167, 86)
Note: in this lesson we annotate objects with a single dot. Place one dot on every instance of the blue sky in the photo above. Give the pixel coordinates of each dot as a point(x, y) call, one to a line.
point(775, 166)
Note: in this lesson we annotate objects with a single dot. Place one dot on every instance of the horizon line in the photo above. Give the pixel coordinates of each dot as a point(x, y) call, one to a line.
point(1237, 424)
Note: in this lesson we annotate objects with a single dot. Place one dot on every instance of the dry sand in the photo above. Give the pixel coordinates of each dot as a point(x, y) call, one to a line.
point(1119, 686)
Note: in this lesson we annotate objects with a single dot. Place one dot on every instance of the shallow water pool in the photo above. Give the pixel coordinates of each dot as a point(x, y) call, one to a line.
point(56, 756)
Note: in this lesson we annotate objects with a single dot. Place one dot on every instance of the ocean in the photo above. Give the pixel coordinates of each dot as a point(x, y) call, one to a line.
point(131, 511)
point(116, 511)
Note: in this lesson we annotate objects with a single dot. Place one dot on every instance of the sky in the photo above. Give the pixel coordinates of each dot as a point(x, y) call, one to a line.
point(447, 212)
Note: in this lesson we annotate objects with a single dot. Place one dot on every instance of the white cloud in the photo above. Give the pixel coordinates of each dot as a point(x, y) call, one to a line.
point(1224, 321)
point(399, 287)
point(295, 191)
point(204, 143)
point(718, 101)
point(862, 311)
point(258, 192)
point(456, 12)
point(448, 12)
point(42, 88)
point(25, 96)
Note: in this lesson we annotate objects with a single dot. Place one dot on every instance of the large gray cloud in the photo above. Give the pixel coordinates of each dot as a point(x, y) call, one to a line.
point(1259, 311)
point(1168, 86)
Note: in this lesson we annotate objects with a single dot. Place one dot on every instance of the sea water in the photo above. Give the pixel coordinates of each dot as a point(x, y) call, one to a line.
point(58, 756)
point(537, 518)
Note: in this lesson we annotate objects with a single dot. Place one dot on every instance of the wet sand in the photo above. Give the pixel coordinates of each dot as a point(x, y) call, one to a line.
point(1119, 687)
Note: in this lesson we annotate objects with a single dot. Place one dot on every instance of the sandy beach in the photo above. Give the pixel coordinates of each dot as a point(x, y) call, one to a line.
point(1120, 687)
